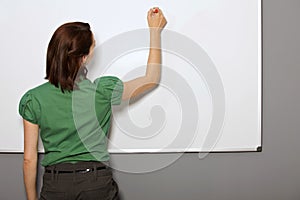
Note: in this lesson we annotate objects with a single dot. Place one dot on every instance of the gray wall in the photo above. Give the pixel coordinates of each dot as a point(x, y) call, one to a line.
point(273, 173)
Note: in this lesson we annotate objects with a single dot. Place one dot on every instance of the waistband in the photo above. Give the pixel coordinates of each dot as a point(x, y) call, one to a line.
point(79, 167)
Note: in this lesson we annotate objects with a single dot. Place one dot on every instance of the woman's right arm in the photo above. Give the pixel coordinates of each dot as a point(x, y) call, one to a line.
point(135, 87)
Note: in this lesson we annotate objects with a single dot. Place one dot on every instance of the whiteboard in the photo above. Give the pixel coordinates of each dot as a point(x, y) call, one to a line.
point(210, 95)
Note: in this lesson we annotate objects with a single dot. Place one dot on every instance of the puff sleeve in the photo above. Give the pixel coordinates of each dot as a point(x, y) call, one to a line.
point(111, 88)
point(29, 108)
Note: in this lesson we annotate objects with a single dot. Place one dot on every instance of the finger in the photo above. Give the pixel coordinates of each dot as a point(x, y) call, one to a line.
point(149, 15)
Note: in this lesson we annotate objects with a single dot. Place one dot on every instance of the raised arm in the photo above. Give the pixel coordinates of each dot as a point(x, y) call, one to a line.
point(135, 87)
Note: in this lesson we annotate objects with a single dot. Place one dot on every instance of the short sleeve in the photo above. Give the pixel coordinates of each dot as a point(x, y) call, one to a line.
point(111, 88)
point(29, 108)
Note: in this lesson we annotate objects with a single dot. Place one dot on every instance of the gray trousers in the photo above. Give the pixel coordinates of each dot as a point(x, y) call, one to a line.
point(80, 181)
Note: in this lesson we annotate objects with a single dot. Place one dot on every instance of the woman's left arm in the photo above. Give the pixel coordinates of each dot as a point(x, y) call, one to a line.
point(31, 132)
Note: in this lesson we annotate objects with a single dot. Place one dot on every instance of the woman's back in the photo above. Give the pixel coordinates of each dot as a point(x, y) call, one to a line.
point(74, 124)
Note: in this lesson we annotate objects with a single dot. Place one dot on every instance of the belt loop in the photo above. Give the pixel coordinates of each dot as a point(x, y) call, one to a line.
point(74, 172)
point(52, 174)
point(95, 171)
point(56, 175)
point(74, 175)
point(52, 169)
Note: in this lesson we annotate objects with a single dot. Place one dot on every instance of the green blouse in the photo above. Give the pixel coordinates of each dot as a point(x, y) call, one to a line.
point(73, 125)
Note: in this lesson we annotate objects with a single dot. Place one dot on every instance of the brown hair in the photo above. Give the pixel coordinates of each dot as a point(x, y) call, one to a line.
point(69, 43)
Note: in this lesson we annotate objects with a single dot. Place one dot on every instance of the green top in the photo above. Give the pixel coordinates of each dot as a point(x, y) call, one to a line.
point(73, 125)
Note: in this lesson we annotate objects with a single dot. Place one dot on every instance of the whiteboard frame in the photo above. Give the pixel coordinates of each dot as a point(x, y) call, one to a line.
point(260, 104)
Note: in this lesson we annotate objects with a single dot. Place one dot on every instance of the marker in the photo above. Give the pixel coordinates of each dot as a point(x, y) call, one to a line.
point(155, 10)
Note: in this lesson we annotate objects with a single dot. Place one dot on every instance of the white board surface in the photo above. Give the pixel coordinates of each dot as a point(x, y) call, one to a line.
point(210, 93)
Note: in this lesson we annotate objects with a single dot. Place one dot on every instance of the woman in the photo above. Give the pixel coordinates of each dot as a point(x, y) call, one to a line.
point(76, 151)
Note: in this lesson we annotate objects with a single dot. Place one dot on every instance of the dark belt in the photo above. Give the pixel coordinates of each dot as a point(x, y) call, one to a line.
point(82, 171)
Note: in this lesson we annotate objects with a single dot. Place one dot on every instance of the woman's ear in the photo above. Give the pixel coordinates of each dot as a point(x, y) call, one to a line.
point(84, 60)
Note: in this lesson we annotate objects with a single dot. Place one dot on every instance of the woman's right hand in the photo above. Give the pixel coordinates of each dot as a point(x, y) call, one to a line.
point(156, 19)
